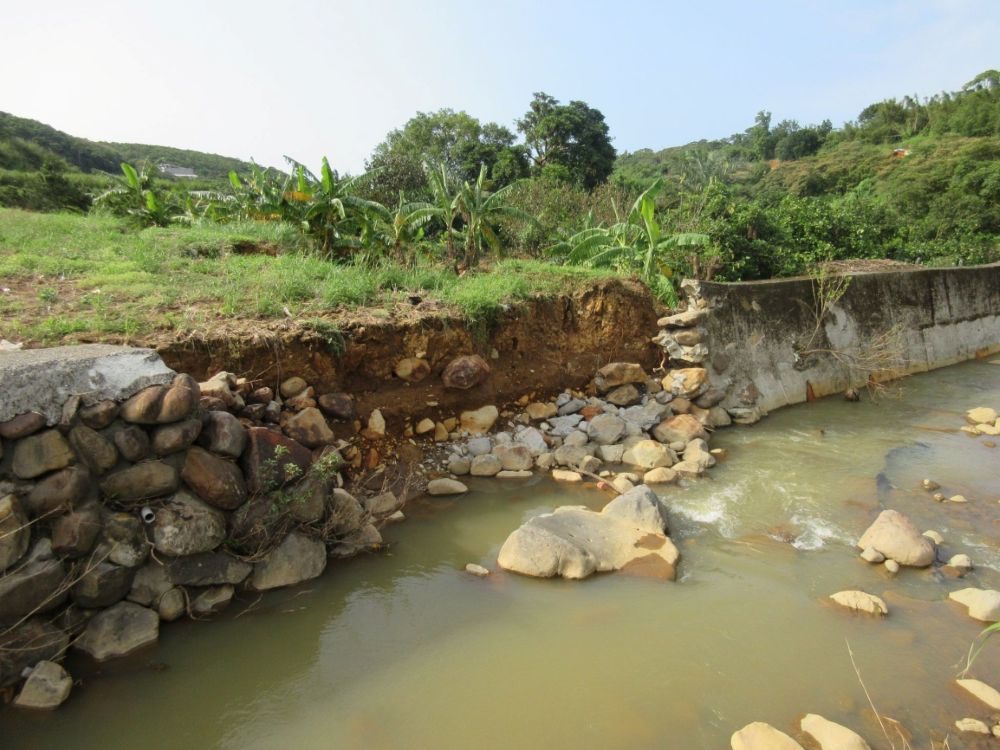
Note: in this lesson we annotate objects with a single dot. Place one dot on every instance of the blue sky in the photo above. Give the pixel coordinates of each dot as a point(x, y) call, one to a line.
point(263, 79)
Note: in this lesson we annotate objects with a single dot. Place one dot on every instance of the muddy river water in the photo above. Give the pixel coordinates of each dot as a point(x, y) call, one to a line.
point(404, 649)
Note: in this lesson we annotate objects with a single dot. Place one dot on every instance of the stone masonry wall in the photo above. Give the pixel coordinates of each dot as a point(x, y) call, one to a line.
point(131, 495)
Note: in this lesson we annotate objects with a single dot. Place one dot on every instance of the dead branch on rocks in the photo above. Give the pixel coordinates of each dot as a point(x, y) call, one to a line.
point(873, 361)
point(602, 483)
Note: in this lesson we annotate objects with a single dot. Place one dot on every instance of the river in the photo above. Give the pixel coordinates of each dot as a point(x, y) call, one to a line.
point(405, 649)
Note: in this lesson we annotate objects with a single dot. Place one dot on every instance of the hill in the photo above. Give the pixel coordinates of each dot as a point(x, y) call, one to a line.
point(942, 133)
point(26, 145)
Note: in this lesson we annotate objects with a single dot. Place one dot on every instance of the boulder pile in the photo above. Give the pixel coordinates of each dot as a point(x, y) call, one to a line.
point(122, 509)
point(658, 427)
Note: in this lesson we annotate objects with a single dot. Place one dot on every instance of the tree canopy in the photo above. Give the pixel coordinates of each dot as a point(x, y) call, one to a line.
point(455, 140)
point(569, 141)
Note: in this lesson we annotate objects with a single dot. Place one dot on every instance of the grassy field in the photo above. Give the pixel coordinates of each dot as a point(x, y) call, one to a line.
point(65, 277)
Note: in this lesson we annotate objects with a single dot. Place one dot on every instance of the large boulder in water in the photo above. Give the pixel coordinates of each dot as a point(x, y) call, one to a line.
point(573, 542)
point(895, 536)
point(983, 604)
point(298, 558)
point(761, 736)
point(47, 687)
point(830, 735)
point(26, 644)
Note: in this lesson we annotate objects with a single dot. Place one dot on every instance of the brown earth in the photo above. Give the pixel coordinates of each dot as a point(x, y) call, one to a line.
point(541, 346)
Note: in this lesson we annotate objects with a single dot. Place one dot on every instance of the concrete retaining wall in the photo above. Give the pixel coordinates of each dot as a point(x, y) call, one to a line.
point(761, 334)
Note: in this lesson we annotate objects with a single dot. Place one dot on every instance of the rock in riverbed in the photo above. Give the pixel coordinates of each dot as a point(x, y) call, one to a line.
point(976, 726)
point(895, 536)
point(983, 604)
point(118, 631)
point(47, 687)
point(859, 601)
point(574, 542)
point(988, 695)
point(761, 736)
point(830, 735)
point(446, 487)
point(298, 558)
point(981, 415)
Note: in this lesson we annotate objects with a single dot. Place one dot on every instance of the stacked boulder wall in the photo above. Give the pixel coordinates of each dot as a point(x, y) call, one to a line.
point(573, 542)
point(126, 494)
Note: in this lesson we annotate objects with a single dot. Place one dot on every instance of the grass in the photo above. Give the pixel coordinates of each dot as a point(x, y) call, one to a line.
point(72, 277)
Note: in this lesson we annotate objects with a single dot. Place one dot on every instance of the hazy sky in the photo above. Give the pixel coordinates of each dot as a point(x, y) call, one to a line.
point(262, 79)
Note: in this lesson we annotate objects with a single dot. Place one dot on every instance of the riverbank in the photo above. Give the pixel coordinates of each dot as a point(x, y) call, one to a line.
point(387, 411)
point(406, 648)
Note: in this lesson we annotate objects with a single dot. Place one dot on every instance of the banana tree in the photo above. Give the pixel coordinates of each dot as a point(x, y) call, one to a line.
point(136, 199)
point(397, 229)
point(479, 208)
point(328, 206)
point(445, 202)
point(260, 196)
point(653, 248)
point(637, 244)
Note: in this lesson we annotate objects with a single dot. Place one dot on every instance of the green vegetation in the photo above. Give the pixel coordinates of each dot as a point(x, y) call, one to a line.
point(25, 145)
point(461, 211)
point(569, 141)
point(910, 180)
point(455, 141)
point(637, 244)
point(978, 644)
point(97, 276)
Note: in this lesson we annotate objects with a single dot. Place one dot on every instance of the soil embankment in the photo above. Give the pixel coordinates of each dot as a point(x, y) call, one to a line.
point(544, 345)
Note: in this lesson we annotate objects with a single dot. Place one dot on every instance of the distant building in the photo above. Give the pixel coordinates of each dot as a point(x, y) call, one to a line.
point(175, 171)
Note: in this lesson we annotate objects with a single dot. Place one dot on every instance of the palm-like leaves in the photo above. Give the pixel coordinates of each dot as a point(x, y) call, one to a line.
point(637, 244)
point(319, 205)
point(479, 209)
point(396, 229)
point(445, 201)
point(260, 196)
point(136, 199)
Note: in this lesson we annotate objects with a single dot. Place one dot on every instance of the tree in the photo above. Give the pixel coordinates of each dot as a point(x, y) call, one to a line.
point(759, 137)
point(396, 229)
point(445, 201)
point(135, 198)
point(639, 244)
point(791, 141)
point(479, 209)
point(324, 202)
point(988, 80)
point(454, 140)
point(569, 141)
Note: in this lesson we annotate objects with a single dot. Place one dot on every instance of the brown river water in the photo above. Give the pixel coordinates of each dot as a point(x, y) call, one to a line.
point(404, 649)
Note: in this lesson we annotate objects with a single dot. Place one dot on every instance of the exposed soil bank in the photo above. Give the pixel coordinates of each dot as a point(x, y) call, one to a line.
point(546, 344)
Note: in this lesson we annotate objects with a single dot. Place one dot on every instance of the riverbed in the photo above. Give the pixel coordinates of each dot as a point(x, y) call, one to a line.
point(405, 649)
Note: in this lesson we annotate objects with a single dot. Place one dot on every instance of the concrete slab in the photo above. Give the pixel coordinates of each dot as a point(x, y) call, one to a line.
point(42, 380)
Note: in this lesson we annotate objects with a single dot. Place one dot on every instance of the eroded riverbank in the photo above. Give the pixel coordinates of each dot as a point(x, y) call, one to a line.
point(406, 649)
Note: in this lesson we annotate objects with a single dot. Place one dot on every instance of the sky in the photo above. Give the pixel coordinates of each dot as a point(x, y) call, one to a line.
point(306, 78)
